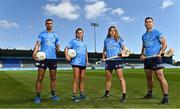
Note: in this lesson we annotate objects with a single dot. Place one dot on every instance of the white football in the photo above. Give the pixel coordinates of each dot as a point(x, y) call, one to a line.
point(71, 53)
point(41, 56)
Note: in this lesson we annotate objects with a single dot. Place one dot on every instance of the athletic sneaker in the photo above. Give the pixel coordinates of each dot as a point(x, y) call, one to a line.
point(123, 99)
point(147, 96)
point(83, 97)
point(105, 96)
point(75, 99)
point(55, 98)
point(164, 100)
point(37, 100)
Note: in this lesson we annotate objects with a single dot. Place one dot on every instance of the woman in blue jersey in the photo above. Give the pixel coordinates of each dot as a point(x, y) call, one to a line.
point(113, 45)
point(78, 63)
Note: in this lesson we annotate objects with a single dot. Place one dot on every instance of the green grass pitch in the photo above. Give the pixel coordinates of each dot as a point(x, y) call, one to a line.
point(17, 89)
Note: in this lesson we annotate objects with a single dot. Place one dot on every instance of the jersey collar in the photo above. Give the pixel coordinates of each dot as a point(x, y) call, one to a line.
point(150, 31)
point(79, 39)
point(49, 32)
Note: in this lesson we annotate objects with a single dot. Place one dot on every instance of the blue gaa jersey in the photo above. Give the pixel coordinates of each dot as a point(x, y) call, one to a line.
point(80, 47)
point(151, 42)
point(112, 47)
point(48, 41)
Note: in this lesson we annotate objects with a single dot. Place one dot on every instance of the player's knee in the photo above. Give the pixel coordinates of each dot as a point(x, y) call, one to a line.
point(108, 78)
point(40, 79)
point(161, 79)
point(121, 79)
point(149, 78)
point(53, 79)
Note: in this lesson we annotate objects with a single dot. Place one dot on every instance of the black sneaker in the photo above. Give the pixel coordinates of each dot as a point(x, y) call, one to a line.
point(164, 100)
point(75, 99)
point(105, 96)
point(83, 97)
point(123, 99)
point(147, 96)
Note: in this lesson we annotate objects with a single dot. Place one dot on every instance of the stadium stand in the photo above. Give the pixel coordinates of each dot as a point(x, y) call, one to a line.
point(11, 62)
point(12, 58)
point(0, 64)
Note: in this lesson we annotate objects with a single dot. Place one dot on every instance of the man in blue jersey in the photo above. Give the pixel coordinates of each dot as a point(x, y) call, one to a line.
point(48, 42)
point(154, 44)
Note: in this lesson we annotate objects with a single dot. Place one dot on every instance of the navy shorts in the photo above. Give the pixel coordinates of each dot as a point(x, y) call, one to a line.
point(80, 67)
point(50, 63)
point(113, 64)
point(154, 63)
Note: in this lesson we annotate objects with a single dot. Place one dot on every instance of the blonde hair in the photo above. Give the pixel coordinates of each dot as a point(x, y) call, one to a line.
point(117, 36)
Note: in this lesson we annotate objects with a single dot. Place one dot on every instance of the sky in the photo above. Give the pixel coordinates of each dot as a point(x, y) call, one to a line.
point(21, 21)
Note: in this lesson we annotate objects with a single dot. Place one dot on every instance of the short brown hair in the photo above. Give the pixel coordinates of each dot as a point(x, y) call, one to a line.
point(148, 18)
point(48, 20)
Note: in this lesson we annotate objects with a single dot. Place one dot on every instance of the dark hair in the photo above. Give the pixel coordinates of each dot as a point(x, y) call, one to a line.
point(49, 20)
point(148, 18)
point(78, 30)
